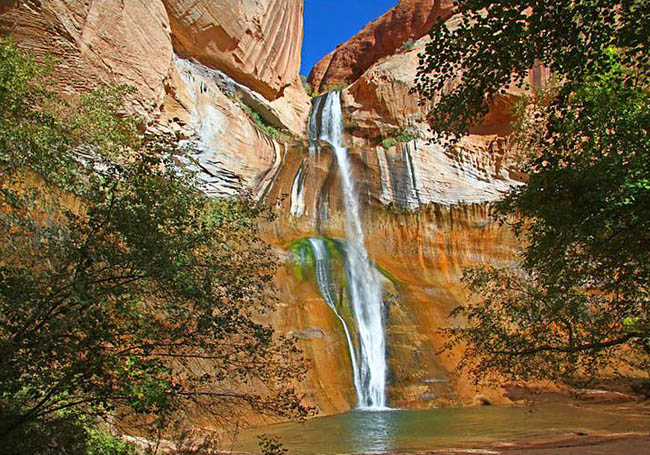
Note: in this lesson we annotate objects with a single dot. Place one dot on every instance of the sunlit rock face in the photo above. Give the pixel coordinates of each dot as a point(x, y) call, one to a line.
point(205, 108)
point(256, 42)
point(384, 115)
point(399, 27)
point(135, 43)
point(426, 215)
point(109, 42)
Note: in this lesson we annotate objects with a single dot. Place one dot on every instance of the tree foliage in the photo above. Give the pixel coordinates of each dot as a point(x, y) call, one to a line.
point(494, 44)
point(124, 290)
point(580, 300)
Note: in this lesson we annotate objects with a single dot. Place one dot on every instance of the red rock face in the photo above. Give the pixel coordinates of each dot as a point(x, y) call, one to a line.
point(409, 20)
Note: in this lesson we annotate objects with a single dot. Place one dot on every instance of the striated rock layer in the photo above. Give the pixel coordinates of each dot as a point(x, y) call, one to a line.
point(134, 42)
point(256, 42)
point(233, 154)
point(107, 42)
point(386, 120)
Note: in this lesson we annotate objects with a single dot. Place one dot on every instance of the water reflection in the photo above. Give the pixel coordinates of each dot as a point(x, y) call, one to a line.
point(373, 431)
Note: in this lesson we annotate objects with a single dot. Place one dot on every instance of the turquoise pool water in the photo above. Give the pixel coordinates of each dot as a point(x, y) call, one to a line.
point(390, 431)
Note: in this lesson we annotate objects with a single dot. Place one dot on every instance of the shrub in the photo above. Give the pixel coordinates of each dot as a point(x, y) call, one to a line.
point(388, 142)
point(403, 137)
point(306, 85)
point(269, 445)
point(276, 133)
point(102, 442)
point(407, 45)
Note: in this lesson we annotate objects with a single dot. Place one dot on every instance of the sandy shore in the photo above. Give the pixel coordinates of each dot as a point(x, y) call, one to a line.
point(619, 444)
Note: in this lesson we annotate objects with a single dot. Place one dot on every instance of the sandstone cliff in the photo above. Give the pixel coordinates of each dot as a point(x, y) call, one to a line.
point(397, 28)
point(256, 42)
point(202, 69)
point(97, 42)
point(425, 212)
point(384, 116)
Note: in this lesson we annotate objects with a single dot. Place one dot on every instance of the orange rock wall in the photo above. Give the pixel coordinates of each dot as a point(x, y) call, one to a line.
point(424, 253)
point(425, 209)
point(107, 42)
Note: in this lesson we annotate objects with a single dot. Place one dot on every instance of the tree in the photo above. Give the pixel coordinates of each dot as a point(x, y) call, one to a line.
point(494, 44)
point(124, 290)
point(580, 300)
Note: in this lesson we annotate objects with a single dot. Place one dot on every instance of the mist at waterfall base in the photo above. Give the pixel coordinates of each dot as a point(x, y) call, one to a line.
point(363, 280)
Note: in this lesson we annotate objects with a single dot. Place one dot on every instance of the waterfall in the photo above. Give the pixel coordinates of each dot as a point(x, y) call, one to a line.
point(325, 284)
point(363, 280)
point(298, 193)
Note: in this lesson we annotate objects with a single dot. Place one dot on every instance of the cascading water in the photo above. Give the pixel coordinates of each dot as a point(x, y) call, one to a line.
point(298, 193)
point(363, 280)
point(322, 268)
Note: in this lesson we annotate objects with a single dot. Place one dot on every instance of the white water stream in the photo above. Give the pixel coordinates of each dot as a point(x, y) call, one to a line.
point(298, 193)
point(364, 285)
point(322, 269)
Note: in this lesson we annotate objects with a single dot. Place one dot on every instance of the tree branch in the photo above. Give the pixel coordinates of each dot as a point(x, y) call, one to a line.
point(575, 349)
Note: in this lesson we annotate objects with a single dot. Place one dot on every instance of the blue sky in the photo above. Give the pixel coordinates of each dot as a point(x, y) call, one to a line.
point(330, 22)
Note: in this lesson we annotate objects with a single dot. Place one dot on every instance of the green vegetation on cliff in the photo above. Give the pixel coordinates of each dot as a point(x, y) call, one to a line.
point(281, 135)
point(125, 293)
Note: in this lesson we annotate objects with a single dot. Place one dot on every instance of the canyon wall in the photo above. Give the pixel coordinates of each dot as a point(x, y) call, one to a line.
point(425, 211)
point(156, 46)
point(257, 42)
point(97, 42)
point(222, 76)
point(399, 27)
